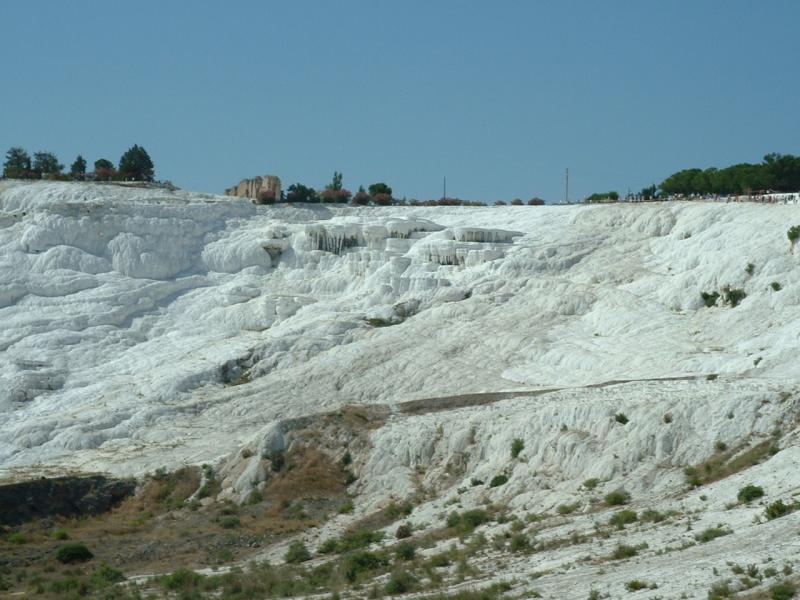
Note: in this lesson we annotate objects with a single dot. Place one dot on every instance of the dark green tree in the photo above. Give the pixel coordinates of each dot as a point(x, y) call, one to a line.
point(104, 169)
point(17, 164)
point(79, 166)
point(680, 182)
point(784, 171)
point(603, 197)
point(299, 193)
point(336, 182)
point(649, 192)
point(379, 188)
point(136, 164)
point(46, 163)
point(103, 163)
point(777, 172)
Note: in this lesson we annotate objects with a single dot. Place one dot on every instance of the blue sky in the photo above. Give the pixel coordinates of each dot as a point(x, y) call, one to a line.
point(500, 97)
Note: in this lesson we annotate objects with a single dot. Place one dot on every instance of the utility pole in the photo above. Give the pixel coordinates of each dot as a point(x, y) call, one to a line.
point(566, 188)
point(444, 187)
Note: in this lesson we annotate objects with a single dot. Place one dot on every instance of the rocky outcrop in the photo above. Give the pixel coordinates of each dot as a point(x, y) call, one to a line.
point(258, 189)
point(63, 496)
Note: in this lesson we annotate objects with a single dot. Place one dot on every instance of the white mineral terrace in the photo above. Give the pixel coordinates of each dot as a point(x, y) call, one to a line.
point(145, 328)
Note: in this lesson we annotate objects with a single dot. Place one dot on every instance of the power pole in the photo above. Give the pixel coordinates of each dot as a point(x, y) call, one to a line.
point(444, 188)
point(566, 189)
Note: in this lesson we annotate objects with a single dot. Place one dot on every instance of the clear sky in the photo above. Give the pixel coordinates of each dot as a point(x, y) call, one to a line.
point(500, 97)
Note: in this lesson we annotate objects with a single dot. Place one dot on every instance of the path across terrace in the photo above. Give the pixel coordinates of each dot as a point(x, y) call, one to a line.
point(428, 405)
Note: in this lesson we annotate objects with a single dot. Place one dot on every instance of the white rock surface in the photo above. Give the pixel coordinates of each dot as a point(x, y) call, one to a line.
point(119, 307)
point(129, 314)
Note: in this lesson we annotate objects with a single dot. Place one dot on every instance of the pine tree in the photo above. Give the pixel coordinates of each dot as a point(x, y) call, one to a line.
point(17, 164)
point(79, 166)
point(46, 163)
point(136, 164)
point(336, 182)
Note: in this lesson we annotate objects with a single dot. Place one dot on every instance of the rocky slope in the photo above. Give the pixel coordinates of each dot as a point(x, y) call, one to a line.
point(145, 330)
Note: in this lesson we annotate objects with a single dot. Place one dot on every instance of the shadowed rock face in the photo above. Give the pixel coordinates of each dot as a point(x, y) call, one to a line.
point(63, 496)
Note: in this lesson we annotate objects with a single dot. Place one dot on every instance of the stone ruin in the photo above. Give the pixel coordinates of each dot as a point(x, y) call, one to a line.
point(257, 189)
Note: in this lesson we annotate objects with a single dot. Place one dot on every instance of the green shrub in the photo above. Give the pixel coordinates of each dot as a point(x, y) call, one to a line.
point(793, 234)
point(474, 518)
point(776, 287)
point(72, 553)
point(733, 296)
point(692, 476)
point(749, 493)
point(711, 533)
point(181, 579)
point(361, 538)
point(622, 518)
point(297, 553)
point(210, 487)
point(346, 508)
point(520, 543)
point(709, 298)
point(750, 268)
point(18, 538)
point(400, 583)
point(720, 446)
point(621, 418)
point(568, 509)
point(405, 551)
point(468, 521)
point(623, 551)
point(453, 519)
point(517, 446)
point(498, 480)
point(778, 509)
point(70, 584)
point(60, 534)
point(229, 521)
point(617, 498)
point(652, 516)
point(359, 562)
point(106, 575)
point(590, 484)
point(229, 509)
point(438, 561)
point(783, 590)
point(635, 585)
point(254, 497)
point(395, 511)
point(720, 590)
point(380, 322)
point(329, 546)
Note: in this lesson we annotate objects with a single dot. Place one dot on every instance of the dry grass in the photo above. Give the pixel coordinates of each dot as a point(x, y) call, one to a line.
point(724, 464)
point(357, 418)
point(157, 530)
point(160, 529)
point(308, 474)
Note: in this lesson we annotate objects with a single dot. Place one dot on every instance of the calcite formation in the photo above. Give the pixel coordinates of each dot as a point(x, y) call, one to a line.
point(257, 188)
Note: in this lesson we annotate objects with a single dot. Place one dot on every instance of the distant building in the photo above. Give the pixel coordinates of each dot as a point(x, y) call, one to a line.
point(259, 189)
